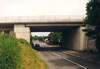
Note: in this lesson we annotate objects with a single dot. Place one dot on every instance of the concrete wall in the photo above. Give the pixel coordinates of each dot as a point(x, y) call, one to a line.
point(22, 32)
point(75, 39)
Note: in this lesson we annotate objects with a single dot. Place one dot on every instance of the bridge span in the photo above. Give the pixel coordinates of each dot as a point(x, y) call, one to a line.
point(71, 26)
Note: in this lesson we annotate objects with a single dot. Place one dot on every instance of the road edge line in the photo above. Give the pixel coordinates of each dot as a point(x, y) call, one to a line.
point(70, 61)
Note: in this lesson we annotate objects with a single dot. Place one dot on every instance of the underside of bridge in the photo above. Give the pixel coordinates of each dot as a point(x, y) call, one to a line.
point(51, 29)
point(7, 28)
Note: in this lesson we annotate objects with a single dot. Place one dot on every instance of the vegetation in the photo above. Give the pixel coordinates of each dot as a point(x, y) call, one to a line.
point(55, 37)
point(22, 41)
point(40, 38)
point(18, 54)
point(31, 58)
point(10, 53)
point(93, 21)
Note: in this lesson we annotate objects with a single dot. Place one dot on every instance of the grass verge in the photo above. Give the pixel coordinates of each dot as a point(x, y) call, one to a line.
point(10, 52)
point(18, 54)
point(31, 58)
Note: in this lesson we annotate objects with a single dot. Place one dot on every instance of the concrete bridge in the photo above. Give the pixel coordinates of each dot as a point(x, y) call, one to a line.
point(71, 26)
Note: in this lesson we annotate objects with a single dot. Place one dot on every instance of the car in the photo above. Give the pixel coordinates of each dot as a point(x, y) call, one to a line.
point(36, 44)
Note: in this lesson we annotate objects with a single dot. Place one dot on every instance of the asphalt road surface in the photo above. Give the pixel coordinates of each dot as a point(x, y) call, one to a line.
point(56, 58)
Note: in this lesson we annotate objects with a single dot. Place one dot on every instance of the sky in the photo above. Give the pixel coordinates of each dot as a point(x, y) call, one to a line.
point(41, 8)
point(40, 33)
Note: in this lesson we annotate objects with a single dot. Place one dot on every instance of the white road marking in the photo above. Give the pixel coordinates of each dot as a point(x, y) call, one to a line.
point(71, 54)
point(79, 57)
point(70, 61)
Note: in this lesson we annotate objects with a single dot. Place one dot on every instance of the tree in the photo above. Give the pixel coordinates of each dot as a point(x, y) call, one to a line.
point(40, 38)
point(35, 37)
point(92, 21)
point(55, 37)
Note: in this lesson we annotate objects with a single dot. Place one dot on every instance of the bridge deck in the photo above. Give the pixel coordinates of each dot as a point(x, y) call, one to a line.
point(41, 19)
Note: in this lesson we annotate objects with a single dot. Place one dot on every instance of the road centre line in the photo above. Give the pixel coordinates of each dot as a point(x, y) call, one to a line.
point(70, 61)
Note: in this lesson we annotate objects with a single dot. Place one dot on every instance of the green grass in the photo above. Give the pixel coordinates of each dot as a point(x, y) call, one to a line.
point(10, 52)
point(23, 42)
point(31, 58)
point(18, 54)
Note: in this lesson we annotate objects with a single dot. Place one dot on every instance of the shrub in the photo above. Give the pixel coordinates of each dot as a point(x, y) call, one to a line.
point(9, 52)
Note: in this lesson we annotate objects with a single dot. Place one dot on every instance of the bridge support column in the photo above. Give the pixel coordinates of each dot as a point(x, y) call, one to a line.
point(75, 39)
point(22, 32)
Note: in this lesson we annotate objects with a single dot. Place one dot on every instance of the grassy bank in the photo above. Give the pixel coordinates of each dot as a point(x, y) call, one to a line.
point(31, 58)
point(18, 54)
point(10, 52)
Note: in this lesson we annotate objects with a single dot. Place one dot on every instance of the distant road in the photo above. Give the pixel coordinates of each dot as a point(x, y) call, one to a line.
point(57, 59)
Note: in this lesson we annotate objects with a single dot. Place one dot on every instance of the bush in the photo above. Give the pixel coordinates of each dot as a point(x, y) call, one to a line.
point(10, 52)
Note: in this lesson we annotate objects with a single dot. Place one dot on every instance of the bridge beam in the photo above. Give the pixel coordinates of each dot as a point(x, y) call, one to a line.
point(75, 39)
point(22, 32)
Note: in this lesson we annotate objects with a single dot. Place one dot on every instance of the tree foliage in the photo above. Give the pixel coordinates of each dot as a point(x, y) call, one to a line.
point(55, 37)
point(40, 38)
point(92, 21)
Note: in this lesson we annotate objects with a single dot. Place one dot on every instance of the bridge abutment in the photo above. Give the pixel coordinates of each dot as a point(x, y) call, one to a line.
point(74, 39)
point(22, 32)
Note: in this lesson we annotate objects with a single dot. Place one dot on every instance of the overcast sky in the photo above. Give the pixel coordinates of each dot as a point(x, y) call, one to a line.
point(40, 33)
point(42, 7)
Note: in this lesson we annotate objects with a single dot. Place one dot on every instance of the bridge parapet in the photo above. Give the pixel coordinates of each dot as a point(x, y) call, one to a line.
point(40, 19)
